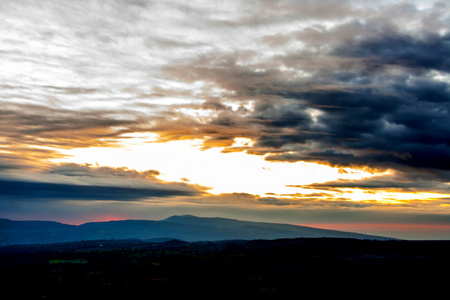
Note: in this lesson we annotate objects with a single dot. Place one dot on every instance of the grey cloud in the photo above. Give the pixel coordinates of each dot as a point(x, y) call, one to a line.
point(20, 157)
point(310, 203)
point(45, 126)
point(27, 190)
point(264, 13)
point(71, 169)
point(408, 179)
point(367, 114)
point(384, 184)
point(11, 162)
point(87, 175)
point(417, 54)
point(85, 182)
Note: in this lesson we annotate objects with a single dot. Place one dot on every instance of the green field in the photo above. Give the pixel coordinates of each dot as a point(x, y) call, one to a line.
point(68, 261)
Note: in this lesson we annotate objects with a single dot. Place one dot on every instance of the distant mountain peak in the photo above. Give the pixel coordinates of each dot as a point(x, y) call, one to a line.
point(174, 217)
point(181, 227)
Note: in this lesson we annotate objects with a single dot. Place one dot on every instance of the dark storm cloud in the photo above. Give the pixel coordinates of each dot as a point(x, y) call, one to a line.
point(402, 50)
point(85, 182)
point(371, 126)
point(27, 190)
point(376, 100)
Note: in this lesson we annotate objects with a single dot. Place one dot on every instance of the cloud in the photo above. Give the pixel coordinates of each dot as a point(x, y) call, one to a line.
point(384, 184)
point(343, 84)
point(76, 174)
point(85, 182)
point(411, 188)
point(374, 100)
point(23, 190)
point(42, 125)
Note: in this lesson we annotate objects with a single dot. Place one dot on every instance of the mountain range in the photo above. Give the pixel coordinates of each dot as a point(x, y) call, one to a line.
point(186, 227)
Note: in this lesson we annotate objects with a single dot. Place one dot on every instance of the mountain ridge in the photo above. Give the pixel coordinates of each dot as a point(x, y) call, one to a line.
point(181, 227)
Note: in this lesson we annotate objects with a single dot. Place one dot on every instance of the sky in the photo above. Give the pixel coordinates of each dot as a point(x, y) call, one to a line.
point(330, 114)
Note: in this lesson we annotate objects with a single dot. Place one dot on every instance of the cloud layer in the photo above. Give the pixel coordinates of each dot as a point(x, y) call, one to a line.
point(337, 83)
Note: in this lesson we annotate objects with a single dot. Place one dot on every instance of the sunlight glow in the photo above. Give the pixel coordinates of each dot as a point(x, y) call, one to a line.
point(234, 172)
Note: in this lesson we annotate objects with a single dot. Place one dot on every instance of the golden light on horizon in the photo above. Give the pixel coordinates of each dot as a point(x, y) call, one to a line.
point(389, 197)
point(231, 172)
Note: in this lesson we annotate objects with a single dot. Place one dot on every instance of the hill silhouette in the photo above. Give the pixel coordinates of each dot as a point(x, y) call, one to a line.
point(186, 227)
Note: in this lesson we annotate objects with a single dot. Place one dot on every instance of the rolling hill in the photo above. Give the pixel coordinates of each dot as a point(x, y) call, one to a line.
point(186, 228)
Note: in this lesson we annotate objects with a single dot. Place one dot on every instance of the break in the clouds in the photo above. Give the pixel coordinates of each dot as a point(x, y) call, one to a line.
point(352, 85)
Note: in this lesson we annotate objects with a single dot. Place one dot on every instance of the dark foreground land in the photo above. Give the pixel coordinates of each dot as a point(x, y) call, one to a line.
point(300, 268)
